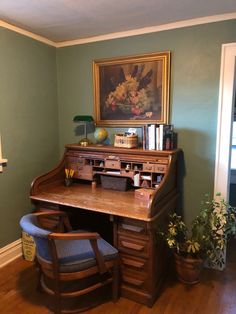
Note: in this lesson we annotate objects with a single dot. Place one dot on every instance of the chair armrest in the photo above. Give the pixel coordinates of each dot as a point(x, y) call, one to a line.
point(74, 236)
point(91, 236)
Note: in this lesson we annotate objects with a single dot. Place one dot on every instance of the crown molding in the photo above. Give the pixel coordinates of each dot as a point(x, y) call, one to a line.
point(152, 29)
point(26, 33)
point(134, 32)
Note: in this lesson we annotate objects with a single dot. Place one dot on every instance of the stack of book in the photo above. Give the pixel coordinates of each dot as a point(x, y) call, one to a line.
point(159, 137)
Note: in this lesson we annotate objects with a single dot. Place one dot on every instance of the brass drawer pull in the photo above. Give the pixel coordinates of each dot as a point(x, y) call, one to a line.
point(160, 169)
point(133, 263)
point(133, 246)
point(133, 281)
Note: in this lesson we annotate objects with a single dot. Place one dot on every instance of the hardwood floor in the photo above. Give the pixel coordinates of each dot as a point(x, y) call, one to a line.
point(215, 294)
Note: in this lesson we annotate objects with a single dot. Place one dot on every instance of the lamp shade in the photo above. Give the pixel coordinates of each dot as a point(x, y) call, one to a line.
point(83, 118)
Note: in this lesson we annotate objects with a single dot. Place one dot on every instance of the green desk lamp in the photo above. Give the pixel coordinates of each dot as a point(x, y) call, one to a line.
point(84, 120)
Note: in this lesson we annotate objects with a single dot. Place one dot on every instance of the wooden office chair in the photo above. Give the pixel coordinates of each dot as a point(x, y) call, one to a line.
point(73, 257)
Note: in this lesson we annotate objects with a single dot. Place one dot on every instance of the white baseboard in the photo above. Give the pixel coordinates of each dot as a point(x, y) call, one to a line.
point(10, 252)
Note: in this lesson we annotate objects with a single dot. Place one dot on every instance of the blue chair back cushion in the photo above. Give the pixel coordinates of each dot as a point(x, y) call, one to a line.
point(73, 255)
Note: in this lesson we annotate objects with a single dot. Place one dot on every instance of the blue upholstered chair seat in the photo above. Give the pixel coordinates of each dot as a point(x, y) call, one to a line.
point(76, 255)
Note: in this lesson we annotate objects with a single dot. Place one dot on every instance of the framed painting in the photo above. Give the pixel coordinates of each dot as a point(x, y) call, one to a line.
point(132, 90)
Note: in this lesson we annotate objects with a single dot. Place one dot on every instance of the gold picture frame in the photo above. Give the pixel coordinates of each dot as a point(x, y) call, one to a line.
point(132, 90)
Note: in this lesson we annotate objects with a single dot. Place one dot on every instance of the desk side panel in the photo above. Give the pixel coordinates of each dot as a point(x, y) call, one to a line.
point(52, 177)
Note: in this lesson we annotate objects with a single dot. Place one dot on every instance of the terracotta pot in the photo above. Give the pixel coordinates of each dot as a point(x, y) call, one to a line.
point(188, 269)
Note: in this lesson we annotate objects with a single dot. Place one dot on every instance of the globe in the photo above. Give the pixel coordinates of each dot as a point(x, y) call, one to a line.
point(100, 135)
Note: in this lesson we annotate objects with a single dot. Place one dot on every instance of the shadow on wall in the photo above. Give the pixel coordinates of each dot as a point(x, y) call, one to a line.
point(196, 169)
point(181, 171)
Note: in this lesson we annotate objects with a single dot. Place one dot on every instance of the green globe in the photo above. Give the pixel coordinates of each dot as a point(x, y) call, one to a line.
point(100, 135)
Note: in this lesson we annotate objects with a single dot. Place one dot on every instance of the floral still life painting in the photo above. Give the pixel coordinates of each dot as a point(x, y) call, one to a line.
point(132, 90)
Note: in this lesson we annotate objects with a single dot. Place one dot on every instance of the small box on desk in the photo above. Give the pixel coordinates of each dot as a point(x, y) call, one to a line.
point(144, 194)
point(126, 141)
point(114, 183)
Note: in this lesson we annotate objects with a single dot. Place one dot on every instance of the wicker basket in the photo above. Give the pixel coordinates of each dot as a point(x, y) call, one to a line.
point(126, 141)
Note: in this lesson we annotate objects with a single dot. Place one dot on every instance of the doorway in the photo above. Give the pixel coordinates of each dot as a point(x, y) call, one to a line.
point(225, 122)
point(232, 191)
point(225, 119)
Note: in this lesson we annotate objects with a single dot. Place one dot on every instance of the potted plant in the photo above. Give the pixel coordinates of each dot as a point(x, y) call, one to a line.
point(204, 241)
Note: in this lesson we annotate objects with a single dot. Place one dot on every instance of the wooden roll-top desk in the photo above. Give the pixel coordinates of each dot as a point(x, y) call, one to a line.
point(128, 222)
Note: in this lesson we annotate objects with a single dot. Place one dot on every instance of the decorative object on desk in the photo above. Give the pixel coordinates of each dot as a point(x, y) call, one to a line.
point(69, 176)
point(137, 179)
point(126, 140)
point(144, 194)
point(145, 183)
point(85, 121)
point(206, 240)
point(94, 185)
point(101, 135)
point(132, 90)
point(127, 168)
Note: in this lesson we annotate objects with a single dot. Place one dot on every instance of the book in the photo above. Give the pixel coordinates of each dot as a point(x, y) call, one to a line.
point(151, 136)
point(157, 137)
point(161, 136)
point(166, 135)
point(144, 135)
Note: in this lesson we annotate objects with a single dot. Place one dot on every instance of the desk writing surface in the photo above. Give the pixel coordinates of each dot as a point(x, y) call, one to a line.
point(107, 201)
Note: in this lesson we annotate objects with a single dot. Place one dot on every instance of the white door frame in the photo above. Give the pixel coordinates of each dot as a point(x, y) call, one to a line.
point(225, 116)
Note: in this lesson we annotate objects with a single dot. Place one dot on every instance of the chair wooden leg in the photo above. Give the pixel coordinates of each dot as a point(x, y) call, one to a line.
point(57, 297)
point(115, 283)
point(39, 274)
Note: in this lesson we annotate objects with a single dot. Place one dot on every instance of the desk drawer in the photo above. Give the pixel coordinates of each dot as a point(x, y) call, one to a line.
point(134, 246)
point(112, 164)
point(132, 227)
point(160, 168)
point(135, 280)
point(85, 172)
point(148, 167)
point(133, 263)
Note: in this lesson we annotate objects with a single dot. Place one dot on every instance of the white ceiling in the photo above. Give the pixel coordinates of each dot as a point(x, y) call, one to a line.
point(64, 20)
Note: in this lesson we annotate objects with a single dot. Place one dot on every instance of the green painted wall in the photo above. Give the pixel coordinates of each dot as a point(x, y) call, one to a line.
point(28, 123)
point(195, 72)
point(42, 89)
